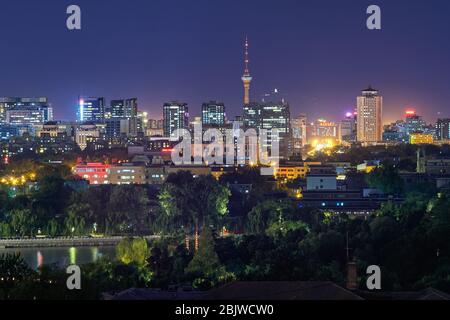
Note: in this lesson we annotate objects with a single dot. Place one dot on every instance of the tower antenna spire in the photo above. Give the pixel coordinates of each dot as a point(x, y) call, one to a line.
point(246, 78)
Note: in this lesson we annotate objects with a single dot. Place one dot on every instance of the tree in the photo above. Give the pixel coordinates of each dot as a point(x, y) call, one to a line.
point(262, 215)
point(52, 228)
point(270, 214)
point(205, 261)
point(13, 269)
point(22, 222)
point(386, 179)
point(192, 203)
point(74, 224)
point(51, 196)
point(128, 205)
point(133, 250)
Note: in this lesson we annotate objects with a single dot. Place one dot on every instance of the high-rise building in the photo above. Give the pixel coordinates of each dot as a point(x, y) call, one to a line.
point(246, 78)
point(414, 123)
point(124, 108)
point(213, 113)
point(25, 111)
point(91, 110)
point(176, 116)
point(369, 116)
point(271, 115)
point(298, 125)
point(443, 129)
point(348, 127)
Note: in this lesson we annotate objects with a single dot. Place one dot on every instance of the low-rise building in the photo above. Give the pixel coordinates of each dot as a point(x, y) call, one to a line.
point(291, 172)
point(127, 173)
point(96, 173)
point(156, 174)
point(321, 178)
point(421, 138)
point(437, 166)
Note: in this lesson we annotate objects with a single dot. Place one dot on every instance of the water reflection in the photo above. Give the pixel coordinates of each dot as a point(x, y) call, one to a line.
point(40, 259)
point(73, 255)
point(62, 257)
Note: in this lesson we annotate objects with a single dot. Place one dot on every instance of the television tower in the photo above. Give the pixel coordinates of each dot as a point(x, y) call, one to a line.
point(246, 78)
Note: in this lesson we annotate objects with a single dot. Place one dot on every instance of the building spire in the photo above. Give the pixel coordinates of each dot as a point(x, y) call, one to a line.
point(246, 78)
point(246, 60)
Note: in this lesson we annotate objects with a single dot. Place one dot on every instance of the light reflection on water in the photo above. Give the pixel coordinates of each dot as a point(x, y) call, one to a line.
point(62, 257)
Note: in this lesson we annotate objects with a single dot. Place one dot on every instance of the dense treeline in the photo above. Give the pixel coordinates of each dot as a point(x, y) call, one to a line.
point(280, 241)
point(410, 242)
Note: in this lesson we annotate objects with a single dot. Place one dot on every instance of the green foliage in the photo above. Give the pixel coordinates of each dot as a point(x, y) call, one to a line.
point(22, 222)
point(187, 202)
point(386, 179)
point(74, 224)
point(271, 216)
point(13, 269)
point(128, 206)
point(205, 261)
point(133, 250)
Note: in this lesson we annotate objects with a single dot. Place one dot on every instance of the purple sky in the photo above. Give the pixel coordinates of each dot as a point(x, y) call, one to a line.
point(319, 53)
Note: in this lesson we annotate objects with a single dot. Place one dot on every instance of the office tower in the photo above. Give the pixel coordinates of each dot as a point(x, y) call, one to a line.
point(116, 128)
point(274, 95)
point(348, 127)
point(442, 129)
point(271, 115)
point(252, 115)
point(246, 78)
point(298, 125)
point(369, 116)
point(213, 113)
point(142, 121)
point(414, 123)
point(124, 108)
point(176, 116)
point(91, 110)
point(323, 134)
point(25, 111)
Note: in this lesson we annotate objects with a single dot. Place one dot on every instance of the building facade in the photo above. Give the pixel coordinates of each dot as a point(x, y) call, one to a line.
point(175, 116)
point(442, 129)
point(213, 113)
point(369, 116)
point(91, 110)
point(271, 115)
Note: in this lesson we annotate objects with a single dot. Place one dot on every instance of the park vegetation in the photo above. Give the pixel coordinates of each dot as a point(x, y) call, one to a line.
point(274, 240)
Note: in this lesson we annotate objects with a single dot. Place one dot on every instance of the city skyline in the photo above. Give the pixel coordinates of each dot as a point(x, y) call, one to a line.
point(315, 59)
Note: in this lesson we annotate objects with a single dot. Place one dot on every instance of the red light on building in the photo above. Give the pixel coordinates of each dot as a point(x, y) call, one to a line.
point(94, 172)
point(410, 113)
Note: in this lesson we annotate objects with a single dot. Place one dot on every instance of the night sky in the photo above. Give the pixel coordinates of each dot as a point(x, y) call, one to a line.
point(318, 53)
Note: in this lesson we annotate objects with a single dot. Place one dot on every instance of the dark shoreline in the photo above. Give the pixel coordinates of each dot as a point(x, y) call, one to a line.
point(63, 242)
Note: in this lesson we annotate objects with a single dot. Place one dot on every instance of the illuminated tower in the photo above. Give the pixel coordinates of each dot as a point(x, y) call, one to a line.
point(369, 117)
point(246, 78)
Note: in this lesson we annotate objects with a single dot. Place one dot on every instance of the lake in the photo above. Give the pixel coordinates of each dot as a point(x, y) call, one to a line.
point(62, 256)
